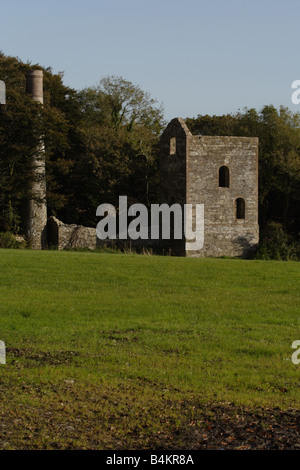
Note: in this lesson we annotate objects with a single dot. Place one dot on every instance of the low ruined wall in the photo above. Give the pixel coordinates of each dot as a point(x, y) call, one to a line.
point(70, 236)
point(64, 236)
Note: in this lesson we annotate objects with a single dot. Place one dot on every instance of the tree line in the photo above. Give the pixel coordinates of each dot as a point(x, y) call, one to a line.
point(102, 142)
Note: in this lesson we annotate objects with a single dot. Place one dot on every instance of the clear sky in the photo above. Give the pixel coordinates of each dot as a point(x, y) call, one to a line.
point(193, 56)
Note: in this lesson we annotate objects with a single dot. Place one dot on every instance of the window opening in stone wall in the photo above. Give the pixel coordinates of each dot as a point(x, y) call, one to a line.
point(224, 177)
point(173, 146)
point(240, 208)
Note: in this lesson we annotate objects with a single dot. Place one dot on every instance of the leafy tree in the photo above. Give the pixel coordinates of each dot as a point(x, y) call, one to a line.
point(121, 126)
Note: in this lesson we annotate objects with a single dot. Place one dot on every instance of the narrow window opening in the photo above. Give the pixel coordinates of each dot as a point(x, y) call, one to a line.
point(224, 177)
point(173, 146)
point(240, 208)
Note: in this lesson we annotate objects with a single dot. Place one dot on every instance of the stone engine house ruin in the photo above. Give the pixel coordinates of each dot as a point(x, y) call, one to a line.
point(222, 174)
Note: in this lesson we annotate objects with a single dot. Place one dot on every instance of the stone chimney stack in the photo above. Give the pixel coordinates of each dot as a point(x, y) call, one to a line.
point(37, 213)
point(34, 85)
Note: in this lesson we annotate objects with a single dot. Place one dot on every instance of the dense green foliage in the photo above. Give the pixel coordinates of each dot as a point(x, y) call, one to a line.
point(102, 142)
point(121, 126)
point(8, 240)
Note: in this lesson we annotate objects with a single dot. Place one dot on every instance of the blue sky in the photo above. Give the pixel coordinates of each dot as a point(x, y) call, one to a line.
point(194, 56)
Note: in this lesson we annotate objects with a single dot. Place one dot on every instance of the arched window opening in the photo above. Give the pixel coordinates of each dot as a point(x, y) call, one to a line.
point(173, 146)
point(240, 208)
point(224, 177)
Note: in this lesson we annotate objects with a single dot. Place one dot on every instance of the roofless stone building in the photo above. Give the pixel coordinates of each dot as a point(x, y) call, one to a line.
point(222, 174)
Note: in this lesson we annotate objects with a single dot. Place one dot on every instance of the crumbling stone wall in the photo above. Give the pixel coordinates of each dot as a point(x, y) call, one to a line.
point(65, 236)
point(194, 170)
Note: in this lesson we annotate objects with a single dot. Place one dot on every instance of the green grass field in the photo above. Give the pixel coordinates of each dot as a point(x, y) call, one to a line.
point(122, 351)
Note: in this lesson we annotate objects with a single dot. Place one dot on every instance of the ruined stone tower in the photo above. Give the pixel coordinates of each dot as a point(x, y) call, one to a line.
point(37, 210)
point(222, 174)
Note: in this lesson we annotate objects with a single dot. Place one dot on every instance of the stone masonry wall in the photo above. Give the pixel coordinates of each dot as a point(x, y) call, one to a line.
point(224, 234)
point(70, 236)
point(191, 175)
point(173, 171)
point(64, 236)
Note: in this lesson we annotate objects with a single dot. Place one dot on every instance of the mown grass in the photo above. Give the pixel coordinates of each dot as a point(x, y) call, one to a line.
point(147, 331)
